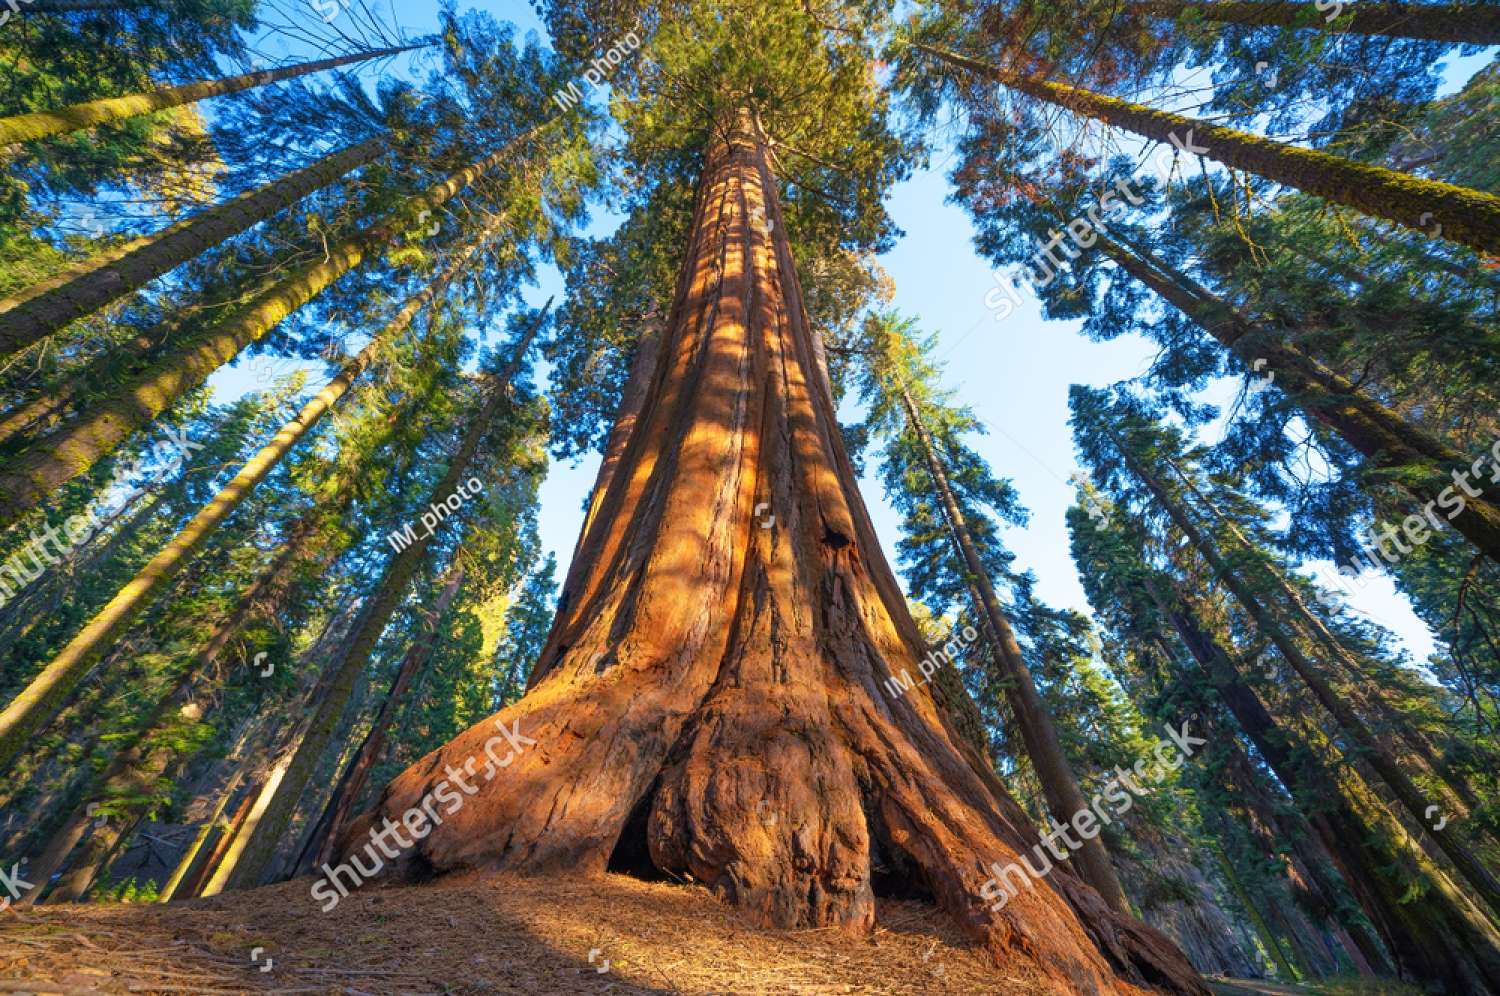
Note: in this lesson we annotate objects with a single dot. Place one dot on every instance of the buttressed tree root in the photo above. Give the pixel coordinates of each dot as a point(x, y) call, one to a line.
point(711, 695)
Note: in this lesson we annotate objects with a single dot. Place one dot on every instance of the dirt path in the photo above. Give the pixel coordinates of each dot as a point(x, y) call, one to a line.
point(1253, 987)
point(478, 934)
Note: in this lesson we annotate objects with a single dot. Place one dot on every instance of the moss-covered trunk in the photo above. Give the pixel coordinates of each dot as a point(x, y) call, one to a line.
point(40, 124)
point(1456, 23)
point(1459, 214)
point(320, 842)
point(30, 708)
point(142, 395)
point(42, 309)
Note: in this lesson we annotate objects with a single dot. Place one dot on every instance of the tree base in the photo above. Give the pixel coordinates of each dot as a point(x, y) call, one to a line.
point(718, 671)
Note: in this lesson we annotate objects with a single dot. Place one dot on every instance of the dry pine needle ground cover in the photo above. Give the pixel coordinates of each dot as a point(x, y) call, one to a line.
point(481, 933)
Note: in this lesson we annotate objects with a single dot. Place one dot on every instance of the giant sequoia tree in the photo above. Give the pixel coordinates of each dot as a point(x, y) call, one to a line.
point(733, 687)
point(728, 624)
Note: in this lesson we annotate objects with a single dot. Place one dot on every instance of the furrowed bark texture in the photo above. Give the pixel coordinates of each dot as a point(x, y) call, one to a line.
point(710, 698)
point(42, 309)
point(1444, 210)
point(1466, 23)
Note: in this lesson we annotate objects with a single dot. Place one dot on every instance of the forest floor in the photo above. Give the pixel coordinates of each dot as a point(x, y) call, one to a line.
point(481, 933)
point(472, 934)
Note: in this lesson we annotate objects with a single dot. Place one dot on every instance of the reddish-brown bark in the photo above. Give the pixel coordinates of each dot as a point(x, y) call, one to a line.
point(712, 692)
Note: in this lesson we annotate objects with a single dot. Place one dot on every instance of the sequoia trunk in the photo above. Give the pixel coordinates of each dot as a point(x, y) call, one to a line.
point(1458, 23)
point(711, 699)
point(1458, 214)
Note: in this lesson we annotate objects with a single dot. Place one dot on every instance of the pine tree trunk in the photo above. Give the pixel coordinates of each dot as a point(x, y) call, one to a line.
point(40, 124)
point(710, 695)
point(194, 886)
point(225, 864)
point(1383, 437)
point(188, 863)
point(73, 448)
point(220, 866)
point(1459, 24)
point(354, 654)
point(1473, 871)
point(1262, 929)
point(320, 842)
point(59, 846)
point(1279, 828)
point(1059, 784)
point(128, 784)
point(27, 711)
point(1435, 933)
point(1458, 796)
point(99, 374)
point(1459, 214)
point(42, 309)
point(90, 860)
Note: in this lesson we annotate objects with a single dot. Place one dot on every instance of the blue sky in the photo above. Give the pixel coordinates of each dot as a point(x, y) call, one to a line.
point(1014, 373)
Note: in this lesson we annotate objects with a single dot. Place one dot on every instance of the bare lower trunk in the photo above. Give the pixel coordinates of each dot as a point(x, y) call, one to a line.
point(320, 842)
point(1435, 933)
point(1469, 217)
point(1060, 786)
point(711, 697)
point(1459, 24)
point(189, 863)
